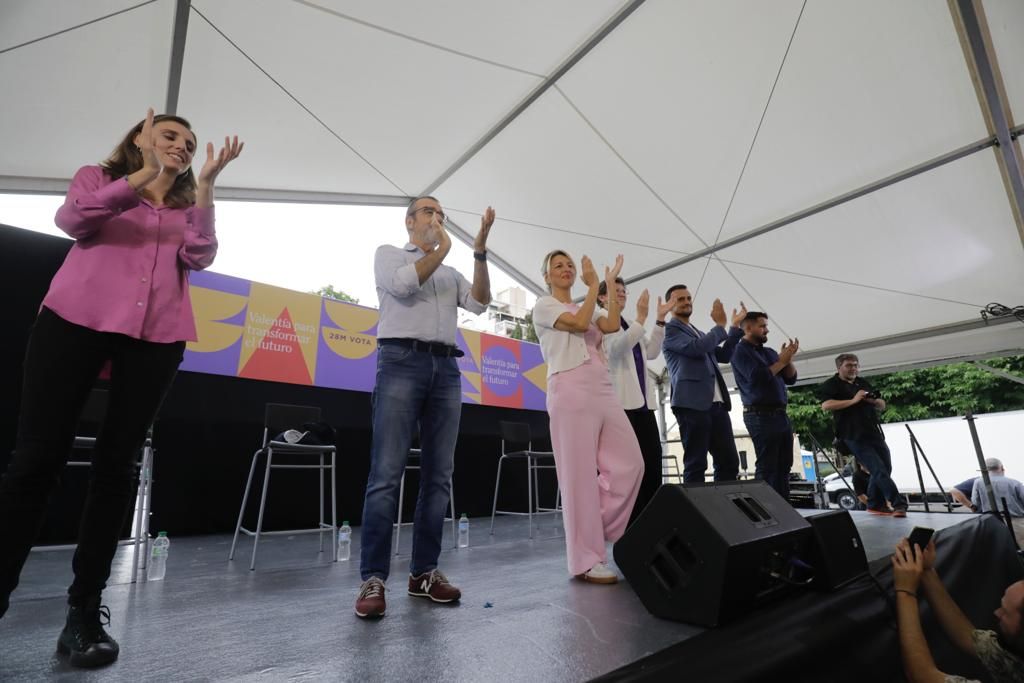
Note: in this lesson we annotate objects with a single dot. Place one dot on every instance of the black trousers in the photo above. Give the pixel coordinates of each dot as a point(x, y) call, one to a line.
point(703, 432)
point(61, 366)
point(645, 425)
point(772, 435)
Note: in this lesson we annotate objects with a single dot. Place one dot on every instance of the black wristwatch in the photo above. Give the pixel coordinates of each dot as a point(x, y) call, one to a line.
point(480, 255)
point(659, 323)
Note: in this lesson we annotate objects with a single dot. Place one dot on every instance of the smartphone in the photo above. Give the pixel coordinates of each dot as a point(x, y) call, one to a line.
point(920, 536)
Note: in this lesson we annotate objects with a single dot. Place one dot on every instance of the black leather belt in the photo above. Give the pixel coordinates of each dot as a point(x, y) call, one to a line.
point(433, 348)
point(765, 410)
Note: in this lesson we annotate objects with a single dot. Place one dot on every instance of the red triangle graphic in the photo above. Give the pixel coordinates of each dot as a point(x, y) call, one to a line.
point(279, 356)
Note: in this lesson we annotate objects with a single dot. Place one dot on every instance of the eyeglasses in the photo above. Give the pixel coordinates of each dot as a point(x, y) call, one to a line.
point(431, 212)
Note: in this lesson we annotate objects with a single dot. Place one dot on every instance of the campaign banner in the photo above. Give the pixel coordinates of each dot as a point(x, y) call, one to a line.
point(252, 330)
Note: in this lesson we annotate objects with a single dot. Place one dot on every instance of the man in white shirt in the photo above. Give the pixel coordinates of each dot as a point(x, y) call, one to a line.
point(418, 385)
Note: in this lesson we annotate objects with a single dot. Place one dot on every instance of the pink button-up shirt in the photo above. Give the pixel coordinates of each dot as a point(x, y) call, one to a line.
point(128, 269)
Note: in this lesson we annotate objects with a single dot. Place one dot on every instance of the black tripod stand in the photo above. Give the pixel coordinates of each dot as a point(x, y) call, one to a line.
point(819, 486)
point(915, 447)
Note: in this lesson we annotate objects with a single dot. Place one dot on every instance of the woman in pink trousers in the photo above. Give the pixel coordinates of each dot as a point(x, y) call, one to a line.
point(597, 456)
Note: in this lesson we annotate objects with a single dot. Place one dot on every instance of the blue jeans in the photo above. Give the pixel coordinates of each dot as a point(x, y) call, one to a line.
point(874, 455)
point(413, 387)
point(773, 443)
point(705, 431)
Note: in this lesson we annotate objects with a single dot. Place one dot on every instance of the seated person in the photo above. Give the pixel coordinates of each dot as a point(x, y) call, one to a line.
point(1007, 491)
point(1001, 652)
point(961, 493)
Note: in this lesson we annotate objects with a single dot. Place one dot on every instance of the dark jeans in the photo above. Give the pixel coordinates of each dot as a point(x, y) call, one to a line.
point(412, 387)
point(645, 426)
point(773, 443)
point(874, 455)
point(61, 365)
point(703, 432)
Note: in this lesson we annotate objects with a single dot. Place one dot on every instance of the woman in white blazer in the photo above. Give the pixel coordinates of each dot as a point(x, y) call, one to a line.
point(628, 351)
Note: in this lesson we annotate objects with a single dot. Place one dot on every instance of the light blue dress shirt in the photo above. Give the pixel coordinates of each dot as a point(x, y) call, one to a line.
point(428, 312)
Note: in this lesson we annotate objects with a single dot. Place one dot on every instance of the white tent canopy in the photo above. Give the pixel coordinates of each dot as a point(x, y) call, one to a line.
point(850, 167)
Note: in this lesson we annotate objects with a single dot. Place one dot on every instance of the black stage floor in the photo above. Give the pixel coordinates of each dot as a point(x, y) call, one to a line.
point(521, 619)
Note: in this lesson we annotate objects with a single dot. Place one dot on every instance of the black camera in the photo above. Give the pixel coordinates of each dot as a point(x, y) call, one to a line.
point(872, 394)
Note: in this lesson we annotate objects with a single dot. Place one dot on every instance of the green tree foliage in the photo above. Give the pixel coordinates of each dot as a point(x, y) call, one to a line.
point(944, 391)
point(808, 418)
point(530, 334)
point(331, 293)
point(525, 332)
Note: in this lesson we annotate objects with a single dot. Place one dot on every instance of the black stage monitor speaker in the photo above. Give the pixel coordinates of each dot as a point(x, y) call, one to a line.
point(705, 553)
point(838, 553)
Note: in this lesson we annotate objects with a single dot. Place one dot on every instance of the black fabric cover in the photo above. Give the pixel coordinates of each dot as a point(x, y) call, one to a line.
point(848, 635)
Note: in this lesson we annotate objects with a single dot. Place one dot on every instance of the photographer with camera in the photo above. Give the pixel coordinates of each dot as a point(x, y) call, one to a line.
point(855, 407)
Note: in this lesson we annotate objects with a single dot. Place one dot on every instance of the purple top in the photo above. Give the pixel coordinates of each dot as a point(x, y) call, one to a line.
point(128, 269)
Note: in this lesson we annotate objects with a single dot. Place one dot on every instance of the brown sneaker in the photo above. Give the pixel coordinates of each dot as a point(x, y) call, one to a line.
point(370, 602)
point(433, 585)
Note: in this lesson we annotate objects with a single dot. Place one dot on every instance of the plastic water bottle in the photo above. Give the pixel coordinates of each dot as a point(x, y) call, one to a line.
point(157, 568)
point(344, 542)
point(464, 531)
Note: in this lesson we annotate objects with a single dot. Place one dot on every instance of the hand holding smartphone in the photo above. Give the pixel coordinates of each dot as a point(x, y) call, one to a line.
point(920, 536)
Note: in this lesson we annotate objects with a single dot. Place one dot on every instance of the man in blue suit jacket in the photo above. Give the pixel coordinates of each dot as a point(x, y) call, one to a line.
point(700, 399)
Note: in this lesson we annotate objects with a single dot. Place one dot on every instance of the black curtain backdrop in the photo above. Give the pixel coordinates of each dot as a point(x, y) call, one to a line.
point(210, 426)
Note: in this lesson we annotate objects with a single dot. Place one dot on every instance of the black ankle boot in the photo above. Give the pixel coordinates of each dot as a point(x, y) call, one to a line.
point(83, 638)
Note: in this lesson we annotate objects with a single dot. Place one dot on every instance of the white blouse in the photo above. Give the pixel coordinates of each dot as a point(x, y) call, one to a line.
point(561, 350)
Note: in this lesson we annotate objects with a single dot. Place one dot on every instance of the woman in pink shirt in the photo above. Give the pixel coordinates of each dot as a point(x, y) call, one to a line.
point(141, 221)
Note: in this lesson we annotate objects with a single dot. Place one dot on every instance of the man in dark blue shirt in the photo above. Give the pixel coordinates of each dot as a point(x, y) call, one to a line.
point(961, 493)
point(762, 375)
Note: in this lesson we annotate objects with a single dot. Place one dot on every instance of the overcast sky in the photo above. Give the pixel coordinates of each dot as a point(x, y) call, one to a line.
point(297, 246)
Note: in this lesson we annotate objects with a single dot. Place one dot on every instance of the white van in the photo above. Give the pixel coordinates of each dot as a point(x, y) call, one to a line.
point(948, 447)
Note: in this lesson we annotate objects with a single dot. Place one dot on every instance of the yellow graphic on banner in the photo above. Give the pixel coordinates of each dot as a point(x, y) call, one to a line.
point(210, 307)
point(538, 376)
point(472, 339)
point(281, 322)
point(349, 341)
point(350, 316)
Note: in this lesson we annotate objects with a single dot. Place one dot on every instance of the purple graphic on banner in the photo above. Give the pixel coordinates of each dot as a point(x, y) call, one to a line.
point(224, 362)
point(221, 283)
point(533, 397)
point(502, 375)
point(333, 344)
point(344, 372)
point(238, 319)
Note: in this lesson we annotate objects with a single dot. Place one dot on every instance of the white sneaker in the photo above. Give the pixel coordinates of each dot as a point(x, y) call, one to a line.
point(599, 573)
